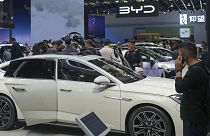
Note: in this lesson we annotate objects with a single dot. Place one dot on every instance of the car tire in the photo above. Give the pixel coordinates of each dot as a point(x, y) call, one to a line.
point(8, 114)
point(149, 121)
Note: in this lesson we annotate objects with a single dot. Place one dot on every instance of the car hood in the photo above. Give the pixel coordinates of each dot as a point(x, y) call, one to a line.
point(152, 85)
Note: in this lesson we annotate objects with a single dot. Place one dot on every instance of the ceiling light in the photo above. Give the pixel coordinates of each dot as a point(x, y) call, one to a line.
point(188, 5)
point(1, 0)
point(204, 3)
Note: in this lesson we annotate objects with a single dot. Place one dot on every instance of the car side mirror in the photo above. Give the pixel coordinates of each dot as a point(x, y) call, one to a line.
point(102, 80)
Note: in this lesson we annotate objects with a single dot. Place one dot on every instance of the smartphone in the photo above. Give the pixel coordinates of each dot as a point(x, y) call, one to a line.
point(184, 57)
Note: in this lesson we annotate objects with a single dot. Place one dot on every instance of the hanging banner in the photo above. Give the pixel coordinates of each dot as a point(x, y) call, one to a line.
point(138, 9)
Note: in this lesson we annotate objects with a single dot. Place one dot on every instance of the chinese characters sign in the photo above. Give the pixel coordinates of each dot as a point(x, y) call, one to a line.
point(185, 19)
point(138, 9)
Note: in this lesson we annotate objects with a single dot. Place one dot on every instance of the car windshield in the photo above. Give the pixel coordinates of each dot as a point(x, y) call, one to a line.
point(162, 52)
point(117, 70)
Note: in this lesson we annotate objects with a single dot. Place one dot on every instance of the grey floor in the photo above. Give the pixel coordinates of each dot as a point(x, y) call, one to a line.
point(46, 130)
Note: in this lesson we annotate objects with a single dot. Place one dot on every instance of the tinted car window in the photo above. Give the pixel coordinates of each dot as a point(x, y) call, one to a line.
point(162, 52)
point(117, 70)
point(75, 71)
point(35, 69)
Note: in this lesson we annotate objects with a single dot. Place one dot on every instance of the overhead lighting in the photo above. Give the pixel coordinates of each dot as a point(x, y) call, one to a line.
point(1, 0)
point(204, 3)
point(188, 5)
point(172, 5)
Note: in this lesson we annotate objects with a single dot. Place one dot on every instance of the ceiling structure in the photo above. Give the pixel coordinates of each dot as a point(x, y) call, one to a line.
point(110, 6)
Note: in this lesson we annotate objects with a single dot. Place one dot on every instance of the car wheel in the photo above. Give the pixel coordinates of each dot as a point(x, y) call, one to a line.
point(149, 121)
point(7, 113)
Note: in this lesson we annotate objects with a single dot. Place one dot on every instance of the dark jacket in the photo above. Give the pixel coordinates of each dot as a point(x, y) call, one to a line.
point(195, 104)
point(70, 51)
point(16, 51)
point(134, 58)
point(91, 51)
point(205, 58)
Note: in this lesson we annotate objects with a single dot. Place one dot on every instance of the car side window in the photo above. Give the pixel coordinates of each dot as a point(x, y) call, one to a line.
point(34, 69)
point(75, 71)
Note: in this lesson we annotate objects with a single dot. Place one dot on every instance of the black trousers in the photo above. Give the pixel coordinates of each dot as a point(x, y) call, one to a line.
point(194, 129)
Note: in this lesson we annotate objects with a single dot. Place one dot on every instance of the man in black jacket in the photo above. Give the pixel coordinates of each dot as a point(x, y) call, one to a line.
point(16, 51)
point(195, 104)
point(90, 48)
point(133, 55)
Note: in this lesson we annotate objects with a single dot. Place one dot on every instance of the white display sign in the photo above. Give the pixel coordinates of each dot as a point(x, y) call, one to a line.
point(184, 32)
point(185, 19)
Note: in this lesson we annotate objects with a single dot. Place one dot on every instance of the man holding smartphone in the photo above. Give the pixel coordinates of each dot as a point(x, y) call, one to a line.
point(195, 104)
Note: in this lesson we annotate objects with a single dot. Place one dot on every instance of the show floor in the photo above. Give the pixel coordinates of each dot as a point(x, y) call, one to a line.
point(46, 130)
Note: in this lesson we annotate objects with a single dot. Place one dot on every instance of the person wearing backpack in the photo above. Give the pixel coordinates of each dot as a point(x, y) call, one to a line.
point(195, 103)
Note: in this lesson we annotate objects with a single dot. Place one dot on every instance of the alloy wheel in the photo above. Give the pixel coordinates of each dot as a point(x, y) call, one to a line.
point(5, 113)
point(148, 123)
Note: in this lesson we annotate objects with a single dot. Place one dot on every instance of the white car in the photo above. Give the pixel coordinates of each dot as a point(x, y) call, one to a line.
point(143, 44)
point(58, 88)
point(26, 50)
point(161, 51)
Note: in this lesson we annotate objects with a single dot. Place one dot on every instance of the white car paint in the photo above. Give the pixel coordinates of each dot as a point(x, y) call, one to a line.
point(51, 104)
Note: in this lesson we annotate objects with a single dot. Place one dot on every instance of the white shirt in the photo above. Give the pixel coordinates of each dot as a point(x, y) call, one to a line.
point(108, 52)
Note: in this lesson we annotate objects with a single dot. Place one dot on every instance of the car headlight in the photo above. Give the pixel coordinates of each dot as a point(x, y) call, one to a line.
point(177, 98)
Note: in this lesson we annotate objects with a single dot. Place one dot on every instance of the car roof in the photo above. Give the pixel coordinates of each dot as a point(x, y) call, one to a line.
point(167, 38)
point(154, 47)
point(60, 56)
point(142, 43)
point(1, 45)
point(146, 43)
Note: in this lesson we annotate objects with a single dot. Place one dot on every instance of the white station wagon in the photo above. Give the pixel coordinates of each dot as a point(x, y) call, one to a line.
point(58, 88)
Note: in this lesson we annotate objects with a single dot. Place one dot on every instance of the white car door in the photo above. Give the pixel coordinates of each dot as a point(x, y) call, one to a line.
point(77, 94)
point(33, 87)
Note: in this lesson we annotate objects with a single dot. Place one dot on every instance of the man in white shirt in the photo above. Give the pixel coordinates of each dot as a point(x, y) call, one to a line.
point(108, 52)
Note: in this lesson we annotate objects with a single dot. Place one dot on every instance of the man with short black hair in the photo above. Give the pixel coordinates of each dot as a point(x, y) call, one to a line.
point(90, 48)
point(53, 49)
point(108, 52)
point(133, 55)
point(195, 103)
point(16, 51)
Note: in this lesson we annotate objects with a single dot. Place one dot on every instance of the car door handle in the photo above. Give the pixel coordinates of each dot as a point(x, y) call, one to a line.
point(65, 90)
point(18, 89)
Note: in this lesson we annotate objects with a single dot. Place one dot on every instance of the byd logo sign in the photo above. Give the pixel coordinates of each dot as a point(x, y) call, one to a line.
point(138, 9)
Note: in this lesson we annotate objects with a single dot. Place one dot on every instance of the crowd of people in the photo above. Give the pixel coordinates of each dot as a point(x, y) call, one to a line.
point(66, 46)
point(195, 104)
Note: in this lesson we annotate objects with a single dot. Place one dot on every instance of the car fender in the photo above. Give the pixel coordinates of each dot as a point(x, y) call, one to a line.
point(5, 91)
point(172, 108)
